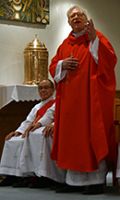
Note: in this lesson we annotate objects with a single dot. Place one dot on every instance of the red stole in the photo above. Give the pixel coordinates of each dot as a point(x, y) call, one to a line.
point(43, 109)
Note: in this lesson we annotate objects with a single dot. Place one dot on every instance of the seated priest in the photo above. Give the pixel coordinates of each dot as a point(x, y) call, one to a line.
point(35, 155)
point(17, 144)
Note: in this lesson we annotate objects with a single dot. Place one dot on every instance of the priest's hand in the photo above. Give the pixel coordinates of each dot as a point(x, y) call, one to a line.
point(11, 134)
point(70, 63)
point(35, 126)
point(90, 29)
point(26, 133)
point(31, 128)
point(48, 130)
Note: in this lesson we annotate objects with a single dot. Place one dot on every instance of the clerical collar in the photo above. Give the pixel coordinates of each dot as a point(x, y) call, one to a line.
point(79, 33)
point(45, 101)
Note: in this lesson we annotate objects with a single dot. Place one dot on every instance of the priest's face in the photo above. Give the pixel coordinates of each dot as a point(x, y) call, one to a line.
point(77, 20)
point(46, 89)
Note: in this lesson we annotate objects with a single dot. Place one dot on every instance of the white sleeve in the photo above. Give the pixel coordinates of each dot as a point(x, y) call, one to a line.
point(31, 116)
point(48, 117)
point(59, 73)
point(94, 49)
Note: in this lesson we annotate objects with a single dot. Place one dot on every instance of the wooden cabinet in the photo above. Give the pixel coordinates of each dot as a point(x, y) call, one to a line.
point(117, 118)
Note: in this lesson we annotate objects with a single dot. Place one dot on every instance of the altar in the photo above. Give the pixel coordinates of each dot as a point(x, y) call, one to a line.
point(16, 101)
point(9, 93)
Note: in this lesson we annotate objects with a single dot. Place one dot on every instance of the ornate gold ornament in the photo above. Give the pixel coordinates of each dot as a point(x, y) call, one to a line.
point(35, 62)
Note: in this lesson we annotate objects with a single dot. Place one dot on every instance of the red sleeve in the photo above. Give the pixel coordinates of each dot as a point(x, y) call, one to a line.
point(106, 56)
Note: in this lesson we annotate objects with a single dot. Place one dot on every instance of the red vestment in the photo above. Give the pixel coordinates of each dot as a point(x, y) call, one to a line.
point(43, 109)
point(84, 105)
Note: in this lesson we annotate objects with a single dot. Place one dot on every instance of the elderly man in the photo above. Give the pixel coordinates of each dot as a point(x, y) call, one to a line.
point(83, 70)
point(14, 142)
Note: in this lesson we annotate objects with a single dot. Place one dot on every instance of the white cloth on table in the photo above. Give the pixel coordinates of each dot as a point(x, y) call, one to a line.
point(17, 93)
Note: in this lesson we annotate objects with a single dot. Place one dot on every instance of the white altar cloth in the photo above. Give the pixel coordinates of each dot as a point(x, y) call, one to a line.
point(17, 93)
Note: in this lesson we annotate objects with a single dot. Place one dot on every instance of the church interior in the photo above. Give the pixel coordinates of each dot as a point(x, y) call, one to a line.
point(24, 45)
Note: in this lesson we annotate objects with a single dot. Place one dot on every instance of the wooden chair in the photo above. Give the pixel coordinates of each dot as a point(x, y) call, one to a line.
point(117, 119)
point(117, 137)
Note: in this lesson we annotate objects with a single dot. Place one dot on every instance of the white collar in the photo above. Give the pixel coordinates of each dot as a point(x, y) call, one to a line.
point(79, 33)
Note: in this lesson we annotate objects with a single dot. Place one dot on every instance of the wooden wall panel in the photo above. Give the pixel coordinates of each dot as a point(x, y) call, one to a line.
point(11, 116)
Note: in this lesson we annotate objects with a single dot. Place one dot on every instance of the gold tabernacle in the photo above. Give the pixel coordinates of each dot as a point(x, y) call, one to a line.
point(35, 62)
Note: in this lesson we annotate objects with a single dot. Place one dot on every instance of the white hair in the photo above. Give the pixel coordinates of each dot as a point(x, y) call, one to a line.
point(77, 7)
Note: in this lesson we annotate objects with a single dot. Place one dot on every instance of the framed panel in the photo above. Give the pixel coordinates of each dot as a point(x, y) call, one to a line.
point(27, 11)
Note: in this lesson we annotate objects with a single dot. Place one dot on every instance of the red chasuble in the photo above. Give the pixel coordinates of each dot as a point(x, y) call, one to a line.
point(84, 105)
point(43, 109)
